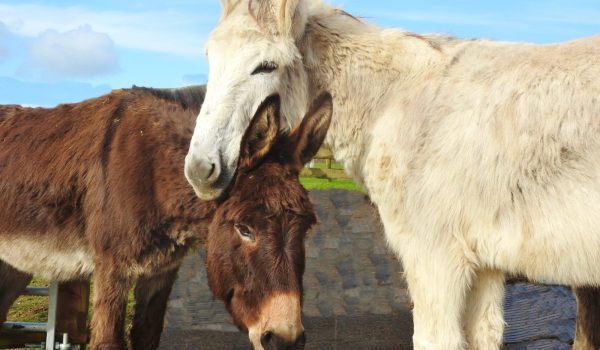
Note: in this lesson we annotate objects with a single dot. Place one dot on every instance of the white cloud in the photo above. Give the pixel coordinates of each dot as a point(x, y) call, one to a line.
point(168, 32)
point(73, 54)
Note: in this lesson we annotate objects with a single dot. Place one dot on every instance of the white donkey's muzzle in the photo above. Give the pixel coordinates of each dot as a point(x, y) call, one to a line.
point(203, 173)
point(205, 170)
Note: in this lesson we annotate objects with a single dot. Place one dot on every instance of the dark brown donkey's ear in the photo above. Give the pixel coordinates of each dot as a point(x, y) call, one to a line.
point(261, 134)
point(309, 136)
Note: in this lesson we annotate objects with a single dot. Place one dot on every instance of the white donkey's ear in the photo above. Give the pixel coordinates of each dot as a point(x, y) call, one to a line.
point(228, 6)
point(284, 17)
point(291, 17)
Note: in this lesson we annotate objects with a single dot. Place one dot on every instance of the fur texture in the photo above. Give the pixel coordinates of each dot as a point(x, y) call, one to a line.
point(483, 157)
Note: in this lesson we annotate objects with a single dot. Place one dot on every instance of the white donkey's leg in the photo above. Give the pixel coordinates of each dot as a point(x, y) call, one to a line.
point(484, 319)
point(438, 268)
point(438, 282)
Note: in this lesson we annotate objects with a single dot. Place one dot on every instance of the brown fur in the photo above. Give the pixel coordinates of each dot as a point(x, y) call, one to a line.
point(588, 319)
point(106, 176)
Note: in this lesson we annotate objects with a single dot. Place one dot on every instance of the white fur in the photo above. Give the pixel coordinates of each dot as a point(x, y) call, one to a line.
point(481, 156)
point(45, 256)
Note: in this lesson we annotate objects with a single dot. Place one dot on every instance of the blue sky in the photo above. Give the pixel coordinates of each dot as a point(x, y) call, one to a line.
point(54, 51)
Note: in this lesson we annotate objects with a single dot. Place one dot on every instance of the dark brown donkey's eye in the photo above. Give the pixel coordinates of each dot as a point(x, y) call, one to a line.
point(244, 231)
point(265, 67)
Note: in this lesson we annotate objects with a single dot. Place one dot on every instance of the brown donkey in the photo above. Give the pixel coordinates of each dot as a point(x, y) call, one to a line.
point(97, 189)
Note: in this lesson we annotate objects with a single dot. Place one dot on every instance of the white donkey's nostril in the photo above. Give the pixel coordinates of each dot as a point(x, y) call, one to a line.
point(206, 170)
point(202, 170)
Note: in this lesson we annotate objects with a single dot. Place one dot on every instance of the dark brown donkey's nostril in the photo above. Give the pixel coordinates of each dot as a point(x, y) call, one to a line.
point(300, 342)
point(267, 340)
point(271, 341)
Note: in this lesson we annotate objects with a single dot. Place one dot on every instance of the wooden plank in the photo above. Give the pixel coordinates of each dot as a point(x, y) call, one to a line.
point(9, 340)
point(324, 153)
point(331, 174)
point(73, 304)
point(25, 327)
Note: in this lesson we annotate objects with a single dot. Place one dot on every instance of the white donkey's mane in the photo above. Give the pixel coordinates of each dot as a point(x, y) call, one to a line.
point(377, 65)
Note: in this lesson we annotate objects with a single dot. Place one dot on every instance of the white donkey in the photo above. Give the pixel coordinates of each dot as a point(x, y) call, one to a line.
point(483, 157)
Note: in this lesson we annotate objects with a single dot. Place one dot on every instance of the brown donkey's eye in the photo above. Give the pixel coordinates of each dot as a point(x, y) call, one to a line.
point(265, 67)
point(244, 231)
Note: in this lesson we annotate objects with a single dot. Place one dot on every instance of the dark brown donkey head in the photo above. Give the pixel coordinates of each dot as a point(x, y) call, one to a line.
point(256, 239)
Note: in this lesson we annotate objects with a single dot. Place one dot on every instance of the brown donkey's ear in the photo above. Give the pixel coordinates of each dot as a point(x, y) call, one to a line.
point(309, 136)
point(261, 134)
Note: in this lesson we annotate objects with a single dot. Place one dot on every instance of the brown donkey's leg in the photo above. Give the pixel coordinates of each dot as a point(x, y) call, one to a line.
point(588, 319)
point(12, 283)
point(151, 295)
point(110, 301)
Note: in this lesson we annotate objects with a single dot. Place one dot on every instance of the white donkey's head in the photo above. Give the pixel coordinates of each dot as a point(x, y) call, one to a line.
point(252, 54)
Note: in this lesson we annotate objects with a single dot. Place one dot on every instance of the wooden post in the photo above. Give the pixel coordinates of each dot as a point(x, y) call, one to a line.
point(73, 304)
point(9, 340)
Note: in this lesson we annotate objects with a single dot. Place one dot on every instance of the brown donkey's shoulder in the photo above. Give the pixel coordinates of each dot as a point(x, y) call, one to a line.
point(144, 166)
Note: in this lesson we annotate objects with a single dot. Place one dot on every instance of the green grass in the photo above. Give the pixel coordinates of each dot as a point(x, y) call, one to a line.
point(35, 309)
point(311, 183)
point(30, 308)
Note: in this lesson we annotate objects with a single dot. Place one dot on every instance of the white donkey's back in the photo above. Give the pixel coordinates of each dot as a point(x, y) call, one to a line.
point(515, 131)
point(493, 165)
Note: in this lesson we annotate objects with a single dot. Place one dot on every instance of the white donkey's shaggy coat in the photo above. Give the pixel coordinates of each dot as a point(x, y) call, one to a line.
point(483, 157)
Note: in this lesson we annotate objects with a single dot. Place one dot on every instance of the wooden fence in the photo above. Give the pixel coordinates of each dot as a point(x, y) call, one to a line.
point(324, 166)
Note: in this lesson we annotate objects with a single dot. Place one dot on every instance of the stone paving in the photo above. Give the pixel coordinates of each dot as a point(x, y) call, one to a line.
point(355, 296)
point(366, 332)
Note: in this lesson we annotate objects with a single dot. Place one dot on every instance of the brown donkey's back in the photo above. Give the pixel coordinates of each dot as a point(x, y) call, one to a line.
point(64, 171)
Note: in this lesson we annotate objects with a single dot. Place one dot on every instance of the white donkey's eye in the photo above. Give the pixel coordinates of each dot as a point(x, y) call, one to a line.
point(244, 231)
point(265, 67)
